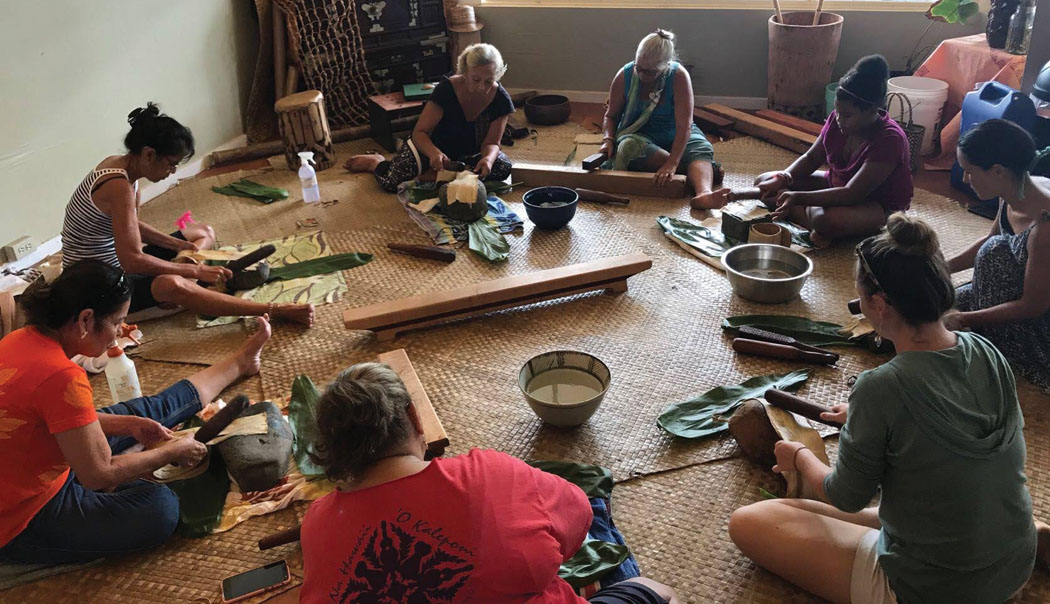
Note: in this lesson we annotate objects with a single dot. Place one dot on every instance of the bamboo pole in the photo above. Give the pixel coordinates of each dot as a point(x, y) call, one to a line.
point(279, 48)
point(776, 7)
point(816, 15)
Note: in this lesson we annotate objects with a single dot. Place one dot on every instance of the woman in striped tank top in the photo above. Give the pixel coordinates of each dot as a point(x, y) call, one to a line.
point(102, 223)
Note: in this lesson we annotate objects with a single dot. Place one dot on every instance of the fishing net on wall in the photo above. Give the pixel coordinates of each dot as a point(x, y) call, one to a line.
point(331, 56)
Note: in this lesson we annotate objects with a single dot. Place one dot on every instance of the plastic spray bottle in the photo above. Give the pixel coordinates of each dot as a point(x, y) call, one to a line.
point(308, 178)
point(122, 377)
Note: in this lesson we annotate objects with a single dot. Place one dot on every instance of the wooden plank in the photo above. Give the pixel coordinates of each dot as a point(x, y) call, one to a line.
point(791, 121)
point(433, 431)
point(610, 181)
point(388, 319)
point(782, 136)
point(710, 121)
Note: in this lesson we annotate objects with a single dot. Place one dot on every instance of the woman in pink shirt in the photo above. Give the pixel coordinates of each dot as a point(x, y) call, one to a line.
point(869, 173)
point(481, 527)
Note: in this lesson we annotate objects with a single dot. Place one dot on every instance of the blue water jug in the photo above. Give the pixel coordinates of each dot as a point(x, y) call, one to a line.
point(991, 100)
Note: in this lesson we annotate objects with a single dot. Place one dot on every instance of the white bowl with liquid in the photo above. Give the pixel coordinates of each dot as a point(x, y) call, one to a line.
point(564, 387)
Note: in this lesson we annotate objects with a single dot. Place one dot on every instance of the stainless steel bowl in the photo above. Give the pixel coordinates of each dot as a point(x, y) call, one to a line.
point(766, 273)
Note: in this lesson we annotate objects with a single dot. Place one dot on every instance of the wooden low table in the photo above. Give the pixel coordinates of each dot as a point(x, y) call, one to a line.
point(384, 109)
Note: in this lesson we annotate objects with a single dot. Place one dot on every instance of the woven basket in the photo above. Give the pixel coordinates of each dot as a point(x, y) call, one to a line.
point(914, 131)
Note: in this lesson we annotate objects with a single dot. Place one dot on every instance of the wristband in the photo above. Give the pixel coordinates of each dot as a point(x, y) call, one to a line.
point(795, 457)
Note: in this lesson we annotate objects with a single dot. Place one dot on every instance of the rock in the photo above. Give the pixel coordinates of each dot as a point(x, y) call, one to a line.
point(258, 462)
point(751, 428)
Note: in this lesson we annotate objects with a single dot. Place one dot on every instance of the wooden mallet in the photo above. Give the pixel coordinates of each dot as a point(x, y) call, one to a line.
point(797, 404)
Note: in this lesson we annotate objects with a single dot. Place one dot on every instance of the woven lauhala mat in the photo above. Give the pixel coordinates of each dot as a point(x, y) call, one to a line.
point(176, 339)
point(155, 376)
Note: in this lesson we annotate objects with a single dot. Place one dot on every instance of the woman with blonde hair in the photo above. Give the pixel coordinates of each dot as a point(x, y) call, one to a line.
point(463, 121)
point(648, 126)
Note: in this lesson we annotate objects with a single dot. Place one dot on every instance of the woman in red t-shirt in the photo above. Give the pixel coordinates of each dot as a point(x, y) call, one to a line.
point(68, 490)
point(869, 165)
point(482, 527)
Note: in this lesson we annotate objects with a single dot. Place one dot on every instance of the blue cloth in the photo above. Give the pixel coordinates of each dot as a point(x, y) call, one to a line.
point(603, 529)
point(80, 524)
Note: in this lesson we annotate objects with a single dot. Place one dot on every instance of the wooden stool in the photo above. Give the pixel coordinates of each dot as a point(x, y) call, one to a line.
point(383, 109)
point(303, 124)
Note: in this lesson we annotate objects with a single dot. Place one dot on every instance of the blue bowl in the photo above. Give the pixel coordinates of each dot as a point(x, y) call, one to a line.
point(550, 207)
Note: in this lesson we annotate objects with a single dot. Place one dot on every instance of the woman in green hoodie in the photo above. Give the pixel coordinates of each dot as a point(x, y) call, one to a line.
point(937, 428)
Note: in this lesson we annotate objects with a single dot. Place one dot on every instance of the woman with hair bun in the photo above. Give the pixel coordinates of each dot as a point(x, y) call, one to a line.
point(1008, 300)
point(102, 223)
point(868, 159)
point(462, 121)
point(648, 125)
point(938, 429)
point(69, 489)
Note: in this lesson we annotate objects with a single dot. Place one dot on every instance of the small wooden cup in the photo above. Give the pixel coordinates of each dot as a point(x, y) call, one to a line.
point(768, 232)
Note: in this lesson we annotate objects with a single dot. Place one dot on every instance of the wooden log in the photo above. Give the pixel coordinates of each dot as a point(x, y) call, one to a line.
point(601, 197)
point(291, 81)
point(771, 132)
point(745, 194)
point(269, 148)
point(791, 121)
point(611, 181)
point(430, 252)
point(433, 431)
point(282, 538)
point(387, 319)
point(797, 404)
point(709, 121)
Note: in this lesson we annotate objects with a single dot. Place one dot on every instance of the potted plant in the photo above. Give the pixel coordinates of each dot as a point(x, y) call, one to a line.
point(943, 11)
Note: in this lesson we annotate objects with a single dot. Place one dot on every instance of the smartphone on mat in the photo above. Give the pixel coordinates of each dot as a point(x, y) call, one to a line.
point(255, 581)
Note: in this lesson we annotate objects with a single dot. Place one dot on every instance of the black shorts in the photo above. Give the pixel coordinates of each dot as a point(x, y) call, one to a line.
point(627, 593)
point(142, 285)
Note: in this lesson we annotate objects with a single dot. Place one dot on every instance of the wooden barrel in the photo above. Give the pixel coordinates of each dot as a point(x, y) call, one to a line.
point(303, 124)
point(801, 59)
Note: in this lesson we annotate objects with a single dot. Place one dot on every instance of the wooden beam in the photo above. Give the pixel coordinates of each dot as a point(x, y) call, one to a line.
point(433, 431)
point(791, 121)
point(771, 132)
point(709, 121)
point(388, 319)
point(609, 181)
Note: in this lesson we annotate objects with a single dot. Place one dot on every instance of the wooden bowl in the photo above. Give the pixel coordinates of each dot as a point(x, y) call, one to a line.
point(547, 109)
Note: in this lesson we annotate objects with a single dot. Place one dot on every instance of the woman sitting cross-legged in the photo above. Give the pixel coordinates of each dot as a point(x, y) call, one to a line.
point(649, 127)
point(1008, 300)
point(463, 121)
point(869, 162)
point(938, 429)
point(68, 492)
point(102, 223)
point(481, 527)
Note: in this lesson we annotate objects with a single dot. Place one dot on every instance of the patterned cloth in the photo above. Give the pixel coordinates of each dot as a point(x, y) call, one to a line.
point(408, 164)
point(444, 230)
point(998, 277)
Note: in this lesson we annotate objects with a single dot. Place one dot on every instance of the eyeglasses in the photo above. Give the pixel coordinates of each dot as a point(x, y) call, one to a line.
point(866, 268)
point(173, 164)
point(649, 72)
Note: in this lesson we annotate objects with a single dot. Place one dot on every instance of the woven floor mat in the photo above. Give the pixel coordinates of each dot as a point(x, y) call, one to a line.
point(176, 339)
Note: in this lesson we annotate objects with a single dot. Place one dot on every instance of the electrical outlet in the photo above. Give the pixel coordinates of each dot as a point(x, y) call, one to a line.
point(19, 248)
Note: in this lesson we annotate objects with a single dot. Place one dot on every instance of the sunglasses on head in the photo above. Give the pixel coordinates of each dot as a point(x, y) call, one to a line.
point(866, 268)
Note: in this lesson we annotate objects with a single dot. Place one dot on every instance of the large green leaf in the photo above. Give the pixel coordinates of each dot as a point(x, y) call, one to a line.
point(487, 242)
point(594, 559)
point(706, 414)
point(302, 416)
point(253, 190)
point(202, 498)
point(952, 11)
point(595, 481)
point(807, 331)
point(707, 241)
point(318, 266)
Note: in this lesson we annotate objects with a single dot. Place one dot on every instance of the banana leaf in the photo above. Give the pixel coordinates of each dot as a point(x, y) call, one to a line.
point(318, 266)
point(253, 190)
point(202, 498)
point(708, 413)
point(710, 242)
point(766, 494)
point(807, 331)
point(595, 481)
point(594, 559)
point(302, 416)
point(487, 242)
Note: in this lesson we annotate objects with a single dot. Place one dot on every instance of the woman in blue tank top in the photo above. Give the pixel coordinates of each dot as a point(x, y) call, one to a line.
point(648, 126)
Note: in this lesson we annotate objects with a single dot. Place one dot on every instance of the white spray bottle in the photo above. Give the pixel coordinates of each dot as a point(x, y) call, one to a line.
point(308, 178)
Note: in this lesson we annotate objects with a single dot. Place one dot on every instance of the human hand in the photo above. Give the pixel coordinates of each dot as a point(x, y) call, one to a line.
point(147, 431)
point(770, 186)
point(181, 244)
point(608, 148)
point(955, 321)
point(186, 452)
point(785, 201)
point(211, 274)
point(664, 174)
point(837, 414)
point(438, 161)
point(786, 452)
point(483, 167)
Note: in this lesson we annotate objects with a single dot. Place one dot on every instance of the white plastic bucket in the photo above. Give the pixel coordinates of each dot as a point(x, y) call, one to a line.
point(927, 97)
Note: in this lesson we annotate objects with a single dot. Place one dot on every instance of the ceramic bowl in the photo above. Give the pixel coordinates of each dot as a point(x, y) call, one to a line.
point(766, 273)
point(547, 109)
point(565, 415)
point(562, 208)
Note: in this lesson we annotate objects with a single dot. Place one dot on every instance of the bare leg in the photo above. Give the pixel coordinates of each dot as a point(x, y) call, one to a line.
point(812, 550)
point(201, 235)
point(189, 295)
point(839, 222)
point(701, 176)
point(242, 363)
point(1042, 551)
point(364, 163)
point(664, 591)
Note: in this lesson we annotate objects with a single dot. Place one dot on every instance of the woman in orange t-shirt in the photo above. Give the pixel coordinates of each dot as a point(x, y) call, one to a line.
point(66, 494)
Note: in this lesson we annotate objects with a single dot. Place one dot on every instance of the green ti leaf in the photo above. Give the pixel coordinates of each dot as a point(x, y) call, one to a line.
point(594, 559)
point(766, 494)
point(253, 190)
point(487, 242)
point(595, 481)
point(302, 416)
point(807, 331)
point(707, 241)
point(318, 266)
point(202, 499)
point(708, 413)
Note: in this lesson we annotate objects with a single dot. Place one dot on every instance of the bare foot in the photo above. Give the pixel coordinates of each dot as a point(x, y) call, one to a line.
point(250, 354)
point(364, 163)
point(711, 200)
point(298, 313)
point(819, 241)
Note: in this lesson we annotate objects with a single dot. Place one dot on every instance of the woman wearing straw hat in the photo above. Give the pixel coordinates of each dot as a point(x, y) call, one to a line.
point(648, 126)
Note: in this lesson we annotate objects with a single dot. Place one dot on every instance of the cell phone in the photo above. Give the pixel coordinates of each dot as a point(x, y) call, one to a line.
point(255, 581)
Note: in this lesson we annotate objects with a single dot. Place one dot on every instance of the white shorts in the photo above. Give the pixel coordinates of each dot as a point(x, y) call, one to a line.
point(869, 584)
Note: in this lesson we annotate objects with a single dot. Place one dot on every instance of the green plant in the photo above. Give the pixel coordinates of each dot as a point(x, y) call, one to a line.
point(942, 11)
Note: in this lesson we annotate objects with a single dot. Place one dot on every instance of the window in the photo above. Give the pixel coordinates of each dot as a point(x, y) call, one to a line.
point(763, 5)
